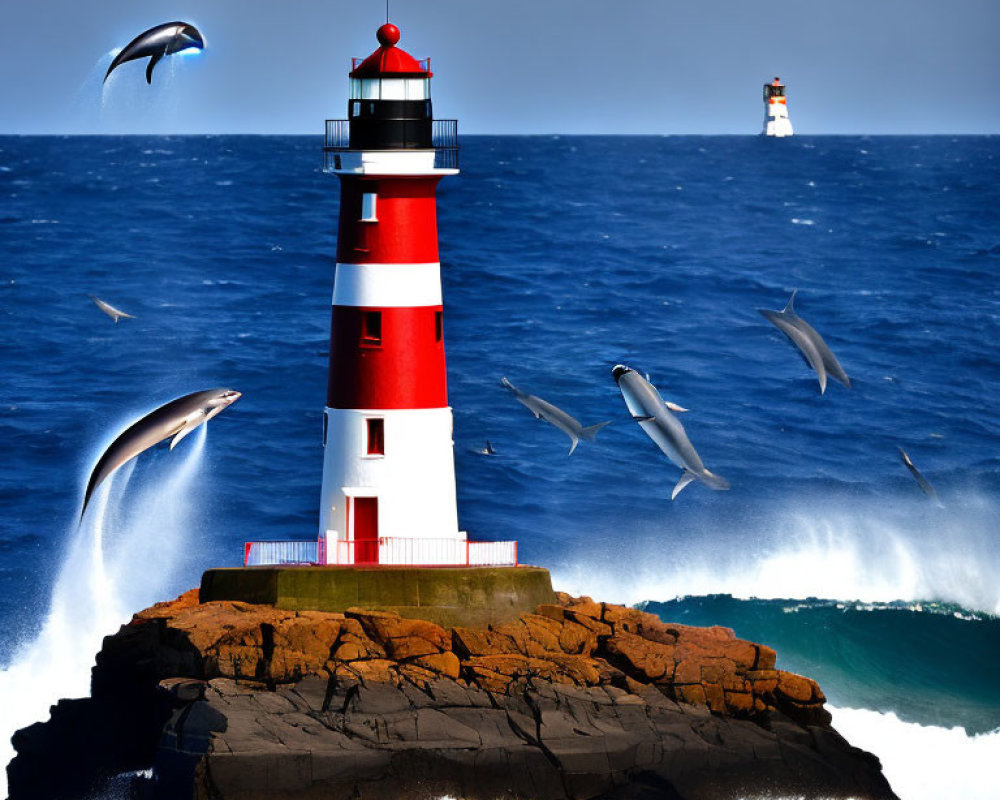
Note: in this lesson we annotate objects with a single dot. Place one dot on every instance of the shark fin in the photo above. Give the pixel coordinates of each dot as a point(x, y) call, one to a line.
point(153, 61)
point(573, 446)
point(674, 407)
point(646, 418)
point(189, 424)
point(590, 432)
point(790, 305)
point(686, 478)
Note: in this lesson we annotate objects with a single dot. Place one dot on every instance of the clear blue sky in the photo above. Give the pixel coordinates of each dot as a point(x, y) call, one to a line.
point(516, 66)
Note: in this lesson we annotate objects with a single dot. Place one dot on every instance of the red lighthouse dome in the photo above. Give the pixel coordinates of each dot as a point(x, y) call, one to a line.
point(390, 60)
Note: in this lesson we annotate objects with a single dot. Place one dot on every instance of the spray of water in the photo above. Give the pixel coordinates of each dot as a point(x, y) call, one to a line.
point(923, 762)
point(876, 550)
point(122, 558)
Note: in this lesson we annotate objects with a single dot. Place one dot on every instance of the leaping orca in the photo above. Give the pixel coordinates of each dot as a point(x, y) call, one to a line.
point(163, 40)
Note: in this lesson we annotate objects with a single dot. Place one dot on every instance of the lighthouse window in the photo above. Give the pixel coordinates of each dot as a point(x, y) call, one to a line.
point(390, 89)
point(371, 328)
point(368, 207)
point(375, 439)
point(438, 326)
point(356, 109)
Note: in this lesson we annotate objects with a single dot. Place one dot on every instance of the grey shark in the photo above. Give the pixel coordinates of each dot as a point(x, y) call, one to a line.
point(163, 40)
point(542, 409)
point(921, 480)
point(810, 344)
point(115, 313)
point(177, 419)
point(652, 413)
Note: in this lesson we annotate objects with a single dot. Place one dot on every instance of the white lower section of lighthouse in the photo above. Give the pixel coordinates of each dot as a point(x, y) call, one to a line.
point(393, 507)
point(776, 121)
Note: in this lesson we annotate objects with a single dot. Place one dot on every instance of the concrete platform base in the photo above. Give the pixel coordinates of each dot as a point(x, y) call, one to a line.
point(448, 596)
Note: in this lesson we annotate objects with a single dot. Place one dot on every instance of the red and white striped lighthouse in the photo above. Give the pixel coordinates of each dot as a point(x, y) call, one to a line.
point(388, 491)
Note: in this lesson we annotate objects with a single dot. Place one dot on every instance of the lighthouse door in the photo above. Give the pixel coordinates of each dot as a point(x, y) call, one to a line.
point(365, 530)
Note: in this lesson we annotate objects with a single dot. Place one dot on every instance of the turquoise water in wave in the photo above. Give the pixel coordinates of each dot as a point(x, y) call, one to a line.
point(562, 256)
point(927, 664)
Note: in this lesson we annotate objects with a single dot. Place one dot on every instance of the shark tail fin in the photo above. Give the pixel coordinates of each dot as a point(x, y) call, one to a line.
point(717, 482)
point(153, 61)
point(590, 433)
point(790, 305)
point(821, 375)
point(686, 478)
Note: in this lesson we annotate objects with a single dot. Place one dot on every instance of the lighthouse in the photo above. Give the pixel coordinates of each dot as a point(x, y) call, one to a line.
point(776, 121)
point(388, 491)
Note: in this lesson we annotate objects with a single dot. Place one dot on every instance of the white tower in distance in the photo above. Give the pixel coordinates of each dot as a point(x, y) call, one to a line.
point(776, 121)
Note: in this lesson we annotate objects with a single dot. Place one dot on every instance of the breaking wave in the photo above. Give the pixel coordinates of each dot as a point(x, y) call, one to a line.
point(871, 550)
point(123, 557)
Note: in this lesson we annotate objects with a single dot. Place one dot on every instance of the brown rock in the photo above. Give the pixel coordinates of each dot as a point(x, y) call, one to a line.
point(651, 660)
point(739, 703)
point(446, 663)
point(766, 657)
point(693, 694)
point(575, 639)
point(585, 606)
point(468, 642)
point(798, 689)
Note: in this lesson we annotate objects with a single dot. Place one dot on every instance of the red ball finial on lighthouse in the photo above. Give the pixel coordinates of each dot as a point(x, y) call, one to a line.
point(387, 35)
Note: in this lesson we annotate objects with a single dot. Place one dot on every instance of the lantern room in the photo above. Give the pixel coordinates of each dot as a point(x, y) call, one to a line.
point(389, 106)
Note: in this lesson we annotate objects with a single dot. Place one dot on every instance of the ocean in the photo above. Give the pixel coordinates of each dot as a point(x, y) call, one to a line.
point(561, 256)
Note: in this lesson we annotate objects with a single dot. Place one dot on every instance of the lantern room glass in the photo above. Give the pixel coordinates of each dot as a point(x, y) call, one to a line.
point(390, 89)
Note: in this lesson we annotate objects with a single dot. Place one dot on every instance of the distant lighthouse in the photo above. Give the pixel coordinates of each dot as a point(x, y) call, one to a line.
point(776, 121)
point(388, 492)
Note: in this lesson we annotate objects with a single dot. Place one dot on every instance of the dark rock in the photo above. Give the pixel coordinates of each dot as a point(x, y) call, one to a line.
point(233, 701)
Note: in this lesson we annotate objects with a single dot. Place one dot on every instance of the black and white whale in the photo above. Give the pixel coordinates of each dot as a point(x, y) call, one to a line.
point(810, 344)
point(924, 484)
point(542, 409)
point(163, 40)
point(177, 419)
point(652, 413)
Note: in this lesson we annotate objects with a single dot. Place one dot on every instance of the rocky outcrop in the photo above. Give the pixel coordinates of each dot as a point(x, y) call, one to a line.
point(578, 700)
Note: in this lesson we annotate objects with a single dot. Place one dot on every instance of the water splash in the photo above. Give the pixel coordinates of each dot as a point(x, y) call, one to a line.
point(923, 762)
point(872, 550)
point(123, 557)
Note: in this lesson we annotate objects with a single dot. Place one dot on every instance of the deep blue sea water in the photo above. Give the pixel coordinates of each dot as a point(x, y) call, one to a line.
point(562, 256)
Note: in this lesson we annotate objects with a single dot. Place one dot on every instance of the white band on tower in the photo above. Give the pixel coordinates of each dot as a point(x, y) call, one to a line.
point(387, 285)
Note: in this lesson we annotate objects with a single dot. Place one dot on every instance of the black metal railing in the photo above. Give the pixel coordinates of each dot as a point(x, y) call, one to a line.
point(444, 137)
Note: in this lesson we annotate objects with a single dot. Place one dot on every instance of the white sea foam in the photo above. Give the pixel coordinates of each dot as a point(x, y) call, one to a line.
point(878, 550)
point(924, 762)
point(121, 558)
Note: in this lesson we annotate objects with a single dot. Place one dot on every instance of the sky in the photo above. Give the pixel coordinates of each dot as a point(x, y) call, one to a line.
point(516, 66)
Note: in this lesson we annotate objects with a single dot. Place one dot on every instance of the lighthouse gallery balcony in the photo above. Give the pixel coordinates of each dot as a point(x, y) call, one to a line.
point(444, 141)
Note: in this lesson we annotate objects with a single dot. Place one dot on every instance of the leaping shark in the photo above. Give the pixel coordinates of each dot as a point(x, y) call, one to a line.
point(924, 484)
point(163, 40)
point(177, 419)
point(542, 409)
point(652, 413)
point(810, 344)
point(115, 313)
